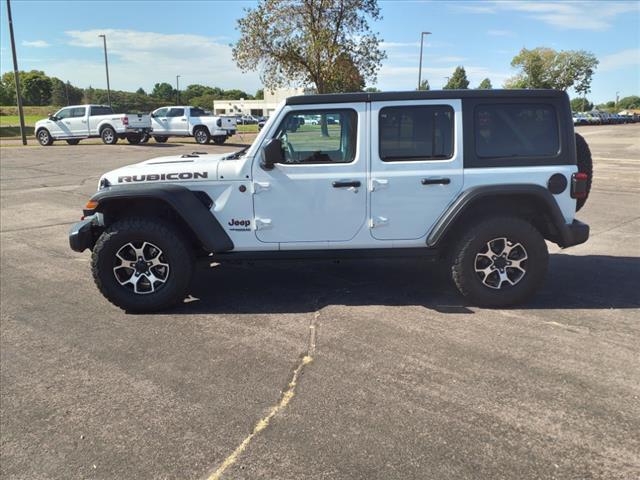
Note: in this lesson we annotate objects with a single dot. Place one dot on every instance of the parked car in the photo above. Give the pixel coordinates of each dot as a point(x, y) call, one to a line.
point(77, 122)
point(394, 179)
point(188, 121)
point(580, 119)
point(247, 120)
point(593, 118)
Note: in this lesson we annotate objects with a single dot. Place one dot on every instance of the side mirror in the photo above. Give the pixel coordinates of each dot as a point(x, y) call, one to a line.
point(272, 154)
point(153, 115)
point(52, 117)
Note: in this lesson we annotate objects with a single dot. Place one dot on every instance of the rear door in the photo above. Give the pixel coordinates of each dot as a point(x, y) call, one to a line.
point(416, 165)
point(178, 124)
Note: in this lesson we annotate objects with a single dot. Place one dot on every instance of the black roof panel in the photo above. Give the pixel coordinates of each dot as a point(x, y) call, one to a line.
point(418, 95)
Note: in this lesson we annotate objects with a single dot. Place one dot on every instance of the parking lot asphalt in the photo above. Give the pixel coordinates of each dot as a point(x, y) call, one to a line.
point(361, 369)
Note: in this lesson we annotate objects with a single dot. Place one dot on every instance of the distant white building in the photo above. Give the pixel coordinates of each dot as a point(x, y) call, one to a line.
point(264, 107)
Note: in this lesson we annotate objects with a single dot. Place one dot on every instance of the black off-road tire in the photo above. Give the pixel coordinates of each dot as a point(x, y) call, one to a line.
point(109, 136)
point(176, 252)
point(585, 165)
point(134, 138)
point(73, 141)
point(474, 240)
point(219, 140)
point(201, 135)
point(44, 137)
point(160, 139)
point(144, 138)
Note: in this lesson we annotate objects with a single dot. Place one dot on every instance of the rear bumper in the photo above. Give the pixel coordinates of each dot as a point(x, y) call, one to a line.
point(573, 233)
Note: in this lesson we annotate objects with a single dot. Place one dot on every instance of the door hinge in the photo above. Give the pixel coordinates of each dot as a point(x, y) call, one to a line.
point(263, 223)
point(378, 183)
point(376, 222)
point(261, 186)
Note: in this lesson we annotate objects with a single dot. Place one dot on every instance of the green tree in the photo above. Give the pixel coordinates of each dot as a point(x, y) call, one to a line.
point(485, 85)
point(235, 94)
point(631, 102)
point(458, 80)
point(581, 104)
point(75, 94)
point(35, 87)
point(163, 91)
point(305, 43)
point(7, 95)
point(259, 94)
point(424, 85)
point(141, 91)
point(205, 101)
point(546, 68)
point(58, 93)
point(372, 90)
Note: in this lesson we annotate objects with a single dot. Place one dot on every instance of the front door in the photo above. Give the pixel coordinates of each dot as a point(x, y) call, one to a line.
point(416, 165)
point(59, 128)
point(78, 126)
point(160, 122)
point(318, 193)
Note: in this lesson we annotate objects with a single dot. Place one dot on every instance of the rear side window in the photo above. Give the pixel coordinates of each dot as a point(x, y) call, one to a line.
point(176, 112)
point(198, 112)
point(416, 133)
point(78, 112)
point(101, 111)
point(516, 130)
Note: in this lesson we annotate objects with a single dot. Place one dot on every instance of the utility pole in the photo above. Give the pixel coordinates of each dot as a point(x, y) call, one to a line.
point(106, 66)
point(16, 76)
point(420, 67)
point(177, 90)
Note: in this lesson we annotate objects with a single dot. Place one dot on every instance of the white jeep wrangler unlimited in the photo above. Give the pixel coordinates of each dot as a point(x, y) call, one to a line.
point(477, 178)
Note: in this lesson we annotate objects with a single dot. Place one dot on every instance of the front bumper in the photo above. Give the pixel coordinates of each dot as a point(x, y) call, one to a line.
point(574, 233)
point(83, 234)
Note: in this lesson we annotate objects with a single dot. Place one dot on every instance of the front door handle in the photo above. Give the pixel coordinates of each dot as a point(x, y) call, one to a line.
point(436, 181)
point(346, 183)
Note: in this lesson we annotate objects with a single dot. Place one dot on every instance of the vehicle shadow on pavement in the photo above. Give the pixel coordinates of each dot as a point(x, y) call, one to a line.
point(573, 282)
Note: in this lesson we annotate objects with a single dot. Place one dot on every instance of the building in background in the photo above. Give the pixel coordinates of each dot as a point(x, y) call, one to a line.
point(256, 108)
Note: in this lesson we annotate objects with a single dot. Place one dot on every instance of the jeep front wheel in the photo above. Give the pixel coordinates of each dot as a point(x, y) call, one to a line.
point(499, 262)
point(142, 265)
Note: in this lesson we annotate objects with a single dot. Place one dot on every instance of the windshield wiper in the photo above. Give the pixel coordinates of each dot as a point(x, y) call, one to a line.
point(237, 154)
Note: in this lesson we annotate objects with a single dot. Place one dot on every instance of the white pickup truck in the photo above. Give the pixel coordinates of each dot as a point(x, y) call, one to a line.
point(187, 121)
point(86, 121)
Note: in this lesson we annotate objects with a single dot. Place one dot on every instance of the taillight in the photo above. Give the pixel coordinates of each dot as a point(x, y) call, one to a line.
point(579, 185)
point(125, 120)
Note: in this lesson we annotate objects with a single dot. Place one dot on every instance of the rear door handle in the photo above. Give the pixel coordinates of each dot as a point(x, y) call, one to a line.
point(436, 181)
point(346, 183)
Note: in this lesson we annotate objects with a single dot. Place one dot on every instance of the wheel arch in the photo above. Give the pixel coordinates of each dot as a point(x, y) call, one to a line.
point(532, 203)
point(105, 125)
point(189, 210)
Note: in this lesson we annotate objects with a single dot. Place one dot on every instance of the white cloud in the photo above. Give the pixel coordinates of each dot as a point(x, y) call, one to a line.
point(35, 43)
point(399, 44)
point(139, 58)
point(577, 15)
point(450, 59)
point(623, 59)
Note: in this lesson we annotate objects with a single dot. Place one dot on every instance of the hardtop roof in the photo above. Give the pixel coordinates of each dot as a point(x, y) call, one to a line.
point(420, 95)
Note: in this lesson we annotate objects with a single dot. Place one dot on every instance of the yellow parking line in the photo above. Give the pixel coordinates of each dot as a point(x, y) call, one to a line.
point(264, 422)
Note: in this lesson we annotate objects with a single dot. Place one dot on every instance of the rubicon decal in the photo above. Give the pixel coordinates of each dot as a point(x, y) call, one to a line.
point(154, 177)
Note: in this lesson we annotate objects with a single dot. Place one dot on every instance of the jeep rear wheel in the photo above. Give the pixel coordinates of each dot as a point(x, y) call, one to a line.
point(500, 261)
point(585, 165)
point(142, 265)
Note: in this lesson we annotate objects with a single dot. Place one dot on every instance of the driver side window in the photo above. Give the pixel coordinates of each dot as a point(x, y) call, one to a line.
point(64, 113)
point(319, 136)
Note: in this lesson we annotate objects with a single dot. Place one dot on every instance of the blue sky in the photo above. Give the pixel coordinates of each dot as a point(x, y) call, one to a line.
point(152, 41)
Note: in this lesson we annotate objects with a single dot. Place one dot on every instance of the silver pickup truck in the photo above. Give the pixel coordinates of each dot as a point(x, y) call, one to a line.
point(77, 122)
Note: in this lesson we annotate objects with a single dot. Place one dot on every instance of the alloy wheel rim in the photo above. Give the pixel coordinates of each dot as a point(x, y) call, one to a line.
point(200, 136)
point(141, 267)
point(108, 136)
point(501, 262)
point(44, 137)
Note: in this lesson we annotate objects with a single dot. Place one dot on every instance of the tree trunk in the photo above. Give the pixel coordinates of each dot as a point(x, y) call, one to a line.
point(323, 126)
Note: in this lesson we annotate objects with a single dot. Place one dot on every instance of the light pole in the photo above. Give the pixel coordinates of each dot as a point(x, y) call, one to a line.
point(617, 97)
point(106, 66)
point(16, 75)
point(420, 67)
point(177, 89)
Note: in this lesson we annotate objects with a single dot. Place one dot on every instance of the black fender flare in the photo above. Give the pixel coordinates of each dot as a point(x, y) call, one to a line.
point(568, 234)
point(184, 202)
